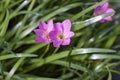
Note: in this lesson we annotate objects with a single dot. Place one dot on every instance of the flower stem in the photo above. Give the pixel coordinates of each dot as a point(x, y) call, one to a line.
point(47, 48)
point(55, 50)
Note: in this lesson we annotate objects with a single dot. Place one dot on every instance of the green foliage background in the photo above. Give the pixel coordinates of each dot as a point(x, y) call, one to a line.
point(92, 55)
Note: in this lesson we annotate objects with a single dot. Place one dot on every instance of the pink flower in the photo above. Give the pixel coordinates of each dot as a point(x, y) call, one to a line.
point(61, 34)
point(102, 9)
point(43, 32)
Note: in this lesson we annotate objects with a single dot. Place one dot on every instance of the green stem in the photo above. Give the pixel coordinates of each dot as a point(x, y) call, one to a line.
point(64, 71)
point(46, 50)
point(55, 50)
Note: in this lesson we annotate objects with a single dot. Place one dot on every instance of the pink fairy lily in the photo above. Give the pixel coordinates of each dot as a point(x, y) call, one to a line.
point(61, 34)
point(102, 9)
point(43, 32)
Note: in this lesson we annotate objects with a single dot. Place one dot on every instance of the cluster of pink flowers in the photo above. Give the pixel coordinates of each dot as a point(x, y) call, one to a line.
point(58, 33)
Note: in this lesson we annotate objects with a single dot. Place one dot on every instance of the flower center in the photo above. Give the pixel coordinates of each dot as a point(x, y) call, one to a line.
point(46, 34)
point(99, 13)
point(61, 36)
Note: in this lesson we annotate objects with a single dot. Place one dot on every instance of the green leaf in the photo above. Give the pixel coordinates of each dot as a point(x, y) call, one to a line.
point(4, 25)
point(8, 56)
point(104, 56)
point(14, 4)
point(91, 50)
point(23, 4)
point(39, 62)
point(113, 37)
point(17, 64)
point(60, 10)
point(7, 3)
point(34, 48)
point(72, 65)
point(2, 15)
point(37, 78)
point(25, 18)
point(110, 75)
point(82, 24)
point(12, 71)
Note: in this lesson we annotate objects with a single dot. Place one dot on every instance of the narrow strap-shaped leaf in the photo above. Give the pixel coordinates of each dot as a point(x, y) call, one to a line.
point(39, 62)
point(109, 75)
point(82, 24)
point(72, 65)
point(8, 56)
point(4, 25)
point(60, 10)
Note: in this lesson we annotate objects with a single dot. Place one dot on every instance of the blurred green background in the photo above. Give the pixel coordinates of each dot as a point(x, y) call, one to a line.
point(93, 54)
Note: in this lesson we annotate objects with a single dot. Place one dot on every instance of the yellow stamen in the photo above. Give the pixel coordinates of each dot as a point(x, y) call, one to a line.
point(61, 36)
point(46, 34)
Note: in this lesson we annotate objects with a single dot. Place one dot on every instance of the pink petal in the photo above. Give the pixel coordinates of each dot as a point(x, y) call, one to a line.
point(66, 42)
point(96, 10)
point(102, 20)
point(39, 32)
point(110, 10)
point(69, 34)
point(58, 27)
point(50, 25)
point(109, 18)
point(39, 39)
point(53, 35)
point(42, 25)
point(47, 41)
point(57, 43)
point(66, 25)
point(101, 9)
point(105, 6)
point(42, 39)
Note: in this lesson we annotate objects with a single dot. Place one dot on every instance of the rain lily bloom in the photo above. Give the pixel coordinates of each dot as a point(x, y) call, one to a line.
point(43, 32)
point(61, 34)
point(102, 9)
